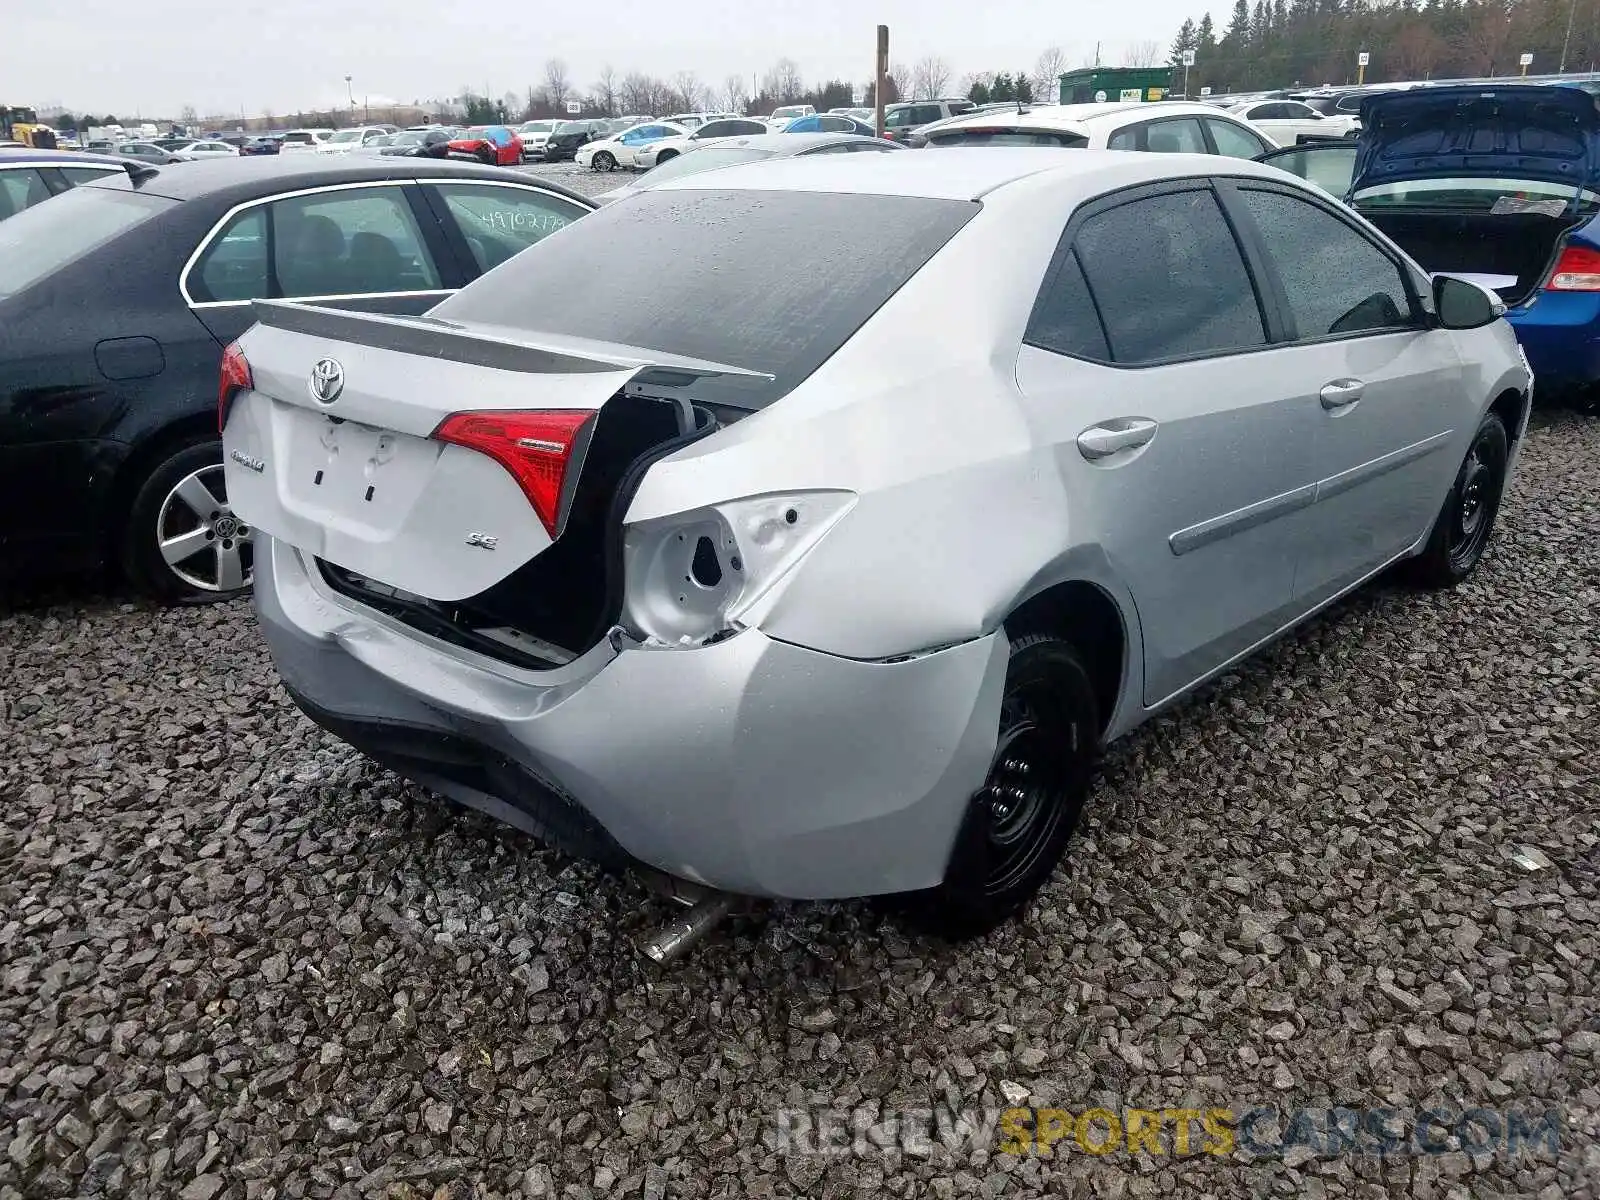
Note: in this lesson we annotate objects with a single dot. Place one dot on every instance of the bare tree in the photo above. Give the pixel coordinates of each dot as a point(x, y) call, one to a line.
point(734, 93)
point(637, 93)
point(188, 116)
point(557, 84)
point(605, 91)
point(687, 86)
point(1142, 54)
point(1047, 71)
point(783, 83)
point(929, 78)
point(512, 103)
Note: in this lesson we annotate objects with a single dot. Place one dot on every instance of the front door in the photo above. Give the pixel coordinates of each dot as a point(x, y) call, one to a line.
point(1385, 390)
point(1180, 439)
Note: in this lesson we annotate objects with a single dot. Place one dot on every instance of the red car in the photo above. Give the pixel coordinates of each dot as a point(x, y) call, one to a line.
point(492, 145)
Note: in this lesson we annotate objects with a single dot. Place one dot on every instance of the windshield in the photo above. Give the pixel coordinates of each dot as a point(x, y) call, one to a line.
point(701, 160)
point(791, 111)
point(709, 274)
point(345, 135)
point(45, 238)
point(407, 139)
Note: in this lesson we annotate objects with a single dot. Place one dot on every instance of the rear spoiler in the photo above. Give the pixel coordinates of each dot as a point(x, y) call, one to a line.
point(493, 346)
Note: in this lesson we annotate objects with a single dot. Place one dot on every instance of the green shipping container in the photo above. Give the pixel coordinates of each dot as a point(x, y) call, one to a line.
point(1101, 85)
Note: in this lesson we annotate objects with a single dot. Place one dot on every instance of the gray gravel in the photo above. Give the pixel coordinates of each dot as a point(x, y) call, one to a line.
point(236, 960)
point(580, 179)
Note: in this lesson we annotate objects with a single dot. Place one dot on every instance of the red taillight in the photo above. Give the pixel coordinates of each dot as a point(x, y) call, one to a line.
point(536, 447)
point(235, 378)
point(1577, 270)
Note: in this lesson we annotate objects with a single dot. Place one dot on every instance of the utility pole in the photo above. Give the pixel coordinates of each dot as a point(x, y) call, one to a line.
point(1567, 40)
point(881, 76)
point(1362, 59)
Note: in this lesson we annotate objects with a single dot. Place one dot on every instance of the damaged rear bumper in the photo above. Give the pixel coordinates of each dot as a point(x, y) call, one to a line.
point(750, 765)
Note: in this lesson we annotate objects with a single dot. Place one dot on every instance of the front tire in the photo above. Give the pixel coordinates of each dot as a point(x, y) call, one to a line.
point(604, 161)
point(182, 543)
point(1462, 529)
point(666, 156)
point(1018, 823)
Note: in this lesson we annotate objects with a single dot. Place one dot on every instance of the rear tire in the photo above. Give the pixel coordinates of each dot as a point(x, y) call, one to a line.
point(1462, 529)
point(1018, 823)
point(182, 544)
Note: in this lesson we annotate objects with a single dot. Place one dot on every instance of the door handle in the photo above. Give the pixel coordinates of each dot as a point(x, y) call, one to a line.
point(1341, 393)
point(1123, 433)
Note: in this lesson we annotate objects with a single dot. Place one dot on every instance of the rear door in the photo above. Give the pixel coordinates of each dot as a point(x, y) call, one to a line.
point(369, 247)
point(1384, 390)
point(1178, 426)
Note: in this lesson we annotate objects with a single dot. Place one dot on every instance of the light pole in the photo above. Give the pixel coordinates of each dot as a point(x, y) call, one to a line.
point(1567, 40)
point(350, 91)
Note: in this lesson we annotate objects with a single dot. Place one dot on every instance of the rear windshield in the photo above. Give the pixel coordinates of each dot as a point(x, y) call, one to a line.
point(1008, 137)
point(708, 159)
point(48, 236)
point(714, 275)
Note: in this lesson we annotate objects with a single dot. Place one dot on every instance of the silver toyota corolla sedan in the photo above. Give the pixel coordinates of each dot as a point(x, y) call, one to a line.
point(816, 547)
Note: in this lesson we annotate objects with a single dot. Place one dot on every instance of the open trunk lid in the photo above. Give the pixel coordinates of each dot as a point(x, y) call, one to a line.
point(433, 456)
point(1517, 132)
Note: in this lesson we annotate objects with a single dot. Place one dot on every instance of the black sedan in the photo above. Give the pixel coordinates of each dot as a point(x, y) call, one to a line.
point(118, 298)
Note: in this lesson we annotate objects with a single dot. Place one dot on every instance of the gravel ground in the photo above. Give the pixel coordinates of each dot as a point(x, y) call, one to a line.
point(580, 179)
point(236, 960)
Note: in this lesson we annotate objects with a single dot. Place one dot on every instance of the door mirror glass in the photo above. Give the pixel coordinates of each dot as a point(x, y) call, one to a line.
point(1462, 304)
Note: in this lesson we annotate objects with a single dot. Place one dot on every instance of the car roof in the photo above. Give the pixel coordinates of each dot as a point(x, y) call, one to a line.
point(962, 173)
point(785, 145)
point(237, 179)
point(10, 156)
point(1076, 117)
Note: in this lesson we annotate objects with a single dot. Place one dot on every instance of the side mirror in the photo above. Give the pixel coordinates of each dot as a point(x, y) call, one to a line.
point(1462, 304)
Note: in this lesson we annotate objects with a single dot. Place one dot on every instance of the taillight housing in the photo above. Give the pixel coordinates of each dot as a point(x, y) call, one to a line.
point(1577, 270)
point(235, 378)
point(538, 448)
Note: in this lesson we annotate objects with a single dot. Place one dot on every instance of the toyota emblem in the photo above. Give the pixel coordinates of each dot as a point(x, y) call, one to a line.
point(327, 381)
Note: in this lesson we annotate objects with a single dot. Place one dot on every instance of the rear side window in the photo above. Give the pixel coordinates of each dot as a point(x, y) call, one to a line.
point(499, 222)
point(50, 236)
point(20, 189)
point(1337, 281)
point(78, 175)
point(351, 242)
point(710, 274)
point(1169, 280)
point(1064, 319)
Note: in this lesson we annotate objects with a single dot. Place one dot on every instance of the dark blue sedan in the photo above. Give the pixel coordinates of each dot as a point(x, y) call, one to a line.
point(29, 177)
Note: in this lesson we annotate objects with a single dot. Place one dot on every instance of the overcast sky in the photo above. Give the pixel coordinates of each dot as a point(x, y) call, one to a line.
point(157, 56)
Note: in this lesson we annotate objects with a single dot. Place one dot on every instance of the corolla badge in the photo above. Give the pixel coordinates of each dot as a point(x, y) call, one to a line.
point(248, 461)
point(327, 381)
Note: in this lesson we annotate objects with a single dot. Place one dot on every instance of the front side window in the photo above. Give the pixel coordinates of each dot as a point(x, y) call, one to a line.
point(1337, 282)
point(899, 118)
point(499, 222)
point(1175, 137)
point(1235, 142)
point(1168, 279)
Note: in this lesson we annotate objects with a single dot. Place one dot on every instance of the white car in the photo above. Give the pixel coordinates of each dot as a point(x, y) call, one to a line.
point(696, 119)
point(1290, 122)
point(298, 141)
point(1177, 127)
point(782, 116)
point(621, 149)
point(199, 151)
point(534, 135)
point(667, 149)
point(346, 140)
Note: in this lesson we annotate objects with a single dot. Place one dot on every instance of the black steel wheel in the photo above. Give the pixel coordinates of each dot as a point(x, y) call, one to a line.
point(1462, 529)
point(1020, 819)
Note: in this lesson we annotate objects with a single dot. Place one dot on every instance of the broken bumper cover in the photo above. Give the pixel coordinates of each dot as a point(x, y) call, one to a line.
point(750, 765)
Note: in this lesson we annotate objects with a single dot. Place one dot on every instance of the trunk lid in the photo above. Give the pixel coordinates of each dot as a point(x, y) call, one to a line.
point(344, 461)
point(1517, 132)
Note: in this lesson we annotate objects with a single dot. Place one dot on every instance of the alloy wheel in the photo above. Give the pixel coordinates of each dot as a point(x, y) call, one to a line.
point(200, 539)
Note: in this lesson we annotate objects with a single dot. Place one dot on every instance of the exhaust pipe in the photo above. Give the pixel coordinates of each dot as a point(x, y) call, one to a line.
point(684, 933)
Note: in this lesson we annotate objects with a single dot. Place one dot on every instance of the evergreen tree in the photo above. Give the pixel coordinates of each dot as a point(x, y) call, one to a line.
point(1238, 35)
point(1187, 39)
point(1206, 35)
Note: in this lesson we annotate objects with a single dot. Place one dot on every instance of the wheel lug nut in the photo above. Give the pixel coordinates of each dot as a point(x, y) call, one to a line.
point(1014, 766)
